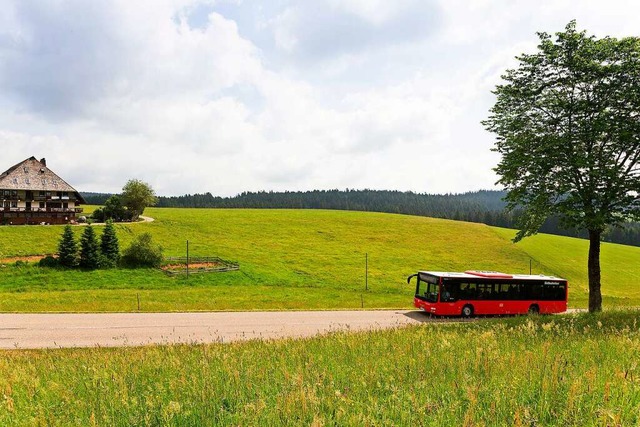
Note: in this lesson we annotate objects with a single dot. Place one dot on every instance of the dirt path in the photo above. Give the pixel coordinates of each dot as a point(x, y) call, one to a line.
point(141, 217)
point(132, 329)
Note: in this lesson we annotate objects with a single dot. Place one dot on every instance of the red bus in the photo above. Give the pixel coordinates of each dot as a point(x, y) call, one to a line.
point(488, 292)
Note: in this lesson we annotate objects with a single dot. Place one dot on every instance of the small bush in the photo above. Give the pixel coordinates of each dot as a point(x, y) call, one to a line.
point(49, 261)
point(112, 210)
point(20, 263)
point(142, 253)
point(98, 215)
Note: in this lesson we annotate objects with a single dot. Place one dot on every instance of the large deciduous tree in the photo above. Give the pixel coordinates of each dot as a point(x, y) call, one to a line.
point(136, 196)
point(567, 122)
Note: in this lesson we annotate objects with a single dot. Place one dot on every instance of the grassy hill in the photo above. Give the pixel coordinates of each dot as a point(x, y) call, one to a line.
point(298, 259)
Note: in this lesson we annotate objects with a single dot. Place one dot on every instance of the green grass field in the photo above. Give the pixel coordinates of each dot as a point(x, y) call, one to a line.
point(570, 370)
point(298, 259)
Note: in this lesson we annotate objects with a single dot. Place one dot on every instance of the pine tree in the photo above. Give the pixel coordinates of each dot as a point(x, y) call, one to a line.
point(68, 249)
point(109, 245)
point(89, 250)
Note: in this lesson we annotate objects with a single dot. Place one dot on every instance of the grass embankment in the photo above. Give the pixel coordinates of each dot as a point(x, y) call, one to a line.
point(297, 259)
point(567, 257)
point(557, 370)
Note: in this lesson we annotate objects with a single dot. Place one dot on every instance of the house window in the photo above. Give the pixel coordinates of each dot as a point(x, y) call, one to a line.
point(7, 193)
point(26, 181)
point(41, 205)
point(48, 194)
point(14, 204)
point(14, 193)
point(26, 170)
point(42, 194)
point(15, 180)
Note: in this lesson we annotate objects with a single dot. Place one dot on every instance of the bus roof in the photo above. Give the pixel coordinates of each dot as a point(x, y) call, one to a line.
point(491, 275)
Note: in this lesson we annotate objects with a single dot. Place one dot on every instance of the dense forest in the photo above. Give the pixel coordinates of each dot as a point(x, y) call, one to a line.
point(480, 206)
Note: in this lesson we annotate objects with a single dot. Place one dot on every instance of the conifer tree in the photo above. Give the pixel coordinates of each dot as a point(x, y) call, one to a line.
point(68, 249)
point(89, 249)
point(109, 246)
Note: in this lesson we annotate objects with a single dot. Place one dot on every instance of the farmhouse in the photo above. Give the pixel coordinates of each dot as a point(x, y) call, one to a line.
point(31, 193)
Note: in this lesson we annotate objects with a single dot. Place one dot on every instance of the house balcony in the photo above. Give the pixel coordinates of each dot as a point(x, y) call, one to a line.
point(43, 210)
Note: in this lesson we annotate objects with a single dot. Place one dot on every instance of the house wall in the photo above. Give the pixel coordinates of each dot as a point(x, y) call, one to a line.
point(52, 207)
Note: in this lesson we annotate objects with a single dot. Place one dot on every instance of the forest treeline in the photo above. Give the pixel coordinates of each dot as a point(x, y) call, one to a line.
point(485, 206)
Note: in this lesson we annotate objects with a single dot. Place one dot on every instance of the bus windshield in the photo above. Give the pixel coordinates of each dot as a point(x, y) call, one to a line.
point(428, 291)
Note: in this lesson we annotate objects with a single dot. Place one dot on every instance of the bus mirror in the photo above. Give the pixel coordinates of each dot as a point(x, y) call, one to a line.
point(411, 277)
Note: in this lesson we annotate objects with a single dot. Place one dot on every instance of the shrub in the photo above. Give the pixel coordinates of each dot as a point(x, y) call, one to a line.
point(68, 249)
point(113, 209)
point(142, 253)
point(49, 261)
point(98, 215)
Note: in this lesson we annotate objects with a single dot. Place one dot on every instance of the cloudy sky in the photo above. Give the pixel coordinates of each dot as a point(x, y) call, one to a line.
point(239, 95)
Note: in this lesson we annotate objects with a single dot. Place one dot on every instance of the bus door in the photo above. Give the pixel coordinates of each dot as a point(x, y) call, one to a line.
point(450, 297)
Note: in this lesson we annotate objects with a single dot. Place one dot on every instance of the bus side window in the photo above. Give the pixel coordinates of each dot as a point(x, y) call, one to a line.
point(554, 292)
point(473, 291)
point(535, 291)
point(514, 291)
point(494, 291)
point(563, 292)
point(467, 291)
point(485, 291)
point(450, 292)
point(503, 291)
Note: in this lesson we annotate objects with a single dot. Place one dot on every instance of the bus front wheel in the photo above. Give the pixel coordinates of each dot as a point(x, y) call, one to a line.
point(467, 311)
point(534, 309)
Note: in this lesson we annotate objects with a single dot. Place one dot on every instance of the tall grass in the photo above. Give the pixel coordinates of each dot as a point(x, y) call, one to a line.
point(561, 370)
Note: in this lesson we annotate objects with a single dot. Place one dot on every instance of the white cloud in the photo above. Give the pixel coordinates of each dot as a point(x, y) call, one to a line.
point(285, 96)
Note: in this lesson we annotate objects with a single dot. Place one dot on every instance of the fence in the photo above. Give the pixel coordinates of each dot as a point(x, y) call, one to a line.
point(191, 265)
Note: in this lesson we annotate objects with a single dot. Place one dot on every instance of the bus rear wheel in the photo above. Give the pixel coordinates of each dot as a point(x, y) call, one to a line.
point(534, 309)
point(467, 311)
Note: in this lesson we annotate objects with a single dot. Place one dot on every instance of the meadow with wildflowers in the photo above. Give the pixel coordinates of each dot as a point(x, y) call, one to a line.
point(564, 370)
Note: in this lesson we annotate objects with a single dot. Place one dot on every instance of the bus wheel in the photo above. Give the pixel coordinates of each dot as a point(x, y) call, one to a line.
point(467, 311)
point(534, 309)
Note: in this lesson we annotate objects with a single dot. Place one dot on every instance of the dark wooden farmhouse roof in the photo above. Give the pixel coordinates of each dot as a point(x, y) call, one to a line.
point(34, 175)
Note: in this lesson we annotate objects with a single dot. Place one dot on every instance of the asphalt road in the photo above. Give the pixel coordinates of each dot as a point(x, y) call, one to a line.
point(24, 331)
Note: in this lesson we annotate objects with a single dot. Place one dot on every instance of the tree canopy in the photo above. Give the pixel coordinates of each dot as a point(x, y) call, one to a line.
point(567, 125)
point(136, 196)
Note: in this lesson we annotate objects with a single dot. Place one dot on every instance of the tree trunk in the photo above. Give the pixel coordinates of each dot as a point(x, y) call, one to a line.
point(595, 296)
